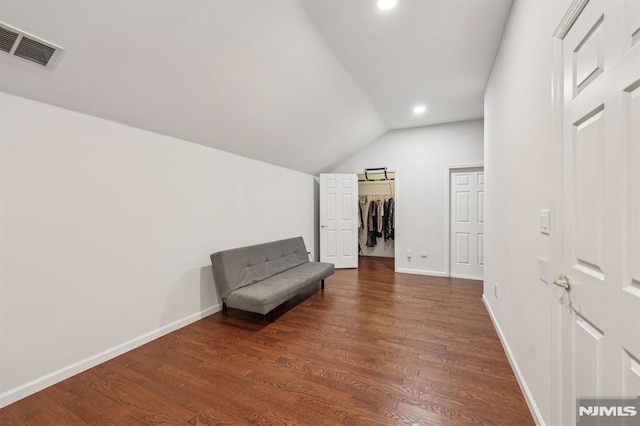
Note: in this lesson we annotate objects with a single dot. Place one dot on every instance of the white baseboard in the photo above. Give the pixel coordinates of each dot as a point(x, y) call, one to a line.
point(421, 272)
point(533, 408)
point(467, 277)
point(57, 376)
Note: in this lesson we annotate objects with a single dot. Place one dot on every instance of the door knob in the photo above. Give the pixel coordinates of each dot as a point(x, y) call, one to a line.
point(563, 281)
point(323, 226)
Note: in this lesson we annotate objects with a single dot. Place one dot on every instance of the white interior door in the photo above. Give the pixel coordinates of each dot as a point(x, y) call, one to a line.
point(339, 219)
point(600, 320)
point(467, 223)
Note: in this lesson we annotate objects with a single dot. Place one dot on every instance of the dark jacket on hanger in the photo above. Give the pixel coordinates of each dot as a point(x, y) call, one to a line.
point(389, 220)
point(385, 223)
point(372, 224)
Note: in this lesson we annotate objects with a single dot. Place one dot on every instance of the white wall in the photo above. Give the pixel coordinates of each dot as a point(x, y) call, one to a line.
point(522, 170)
point(421, 156)
point(106, 231)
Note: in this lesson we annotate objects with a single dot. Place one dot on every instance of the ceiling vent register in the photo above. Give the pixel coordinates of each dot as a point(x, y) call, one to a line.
point(23, 45)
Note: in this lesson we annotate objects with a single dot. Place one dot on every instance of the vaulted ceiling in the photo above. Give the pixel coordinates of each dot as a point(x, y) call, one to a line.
point(299, 83)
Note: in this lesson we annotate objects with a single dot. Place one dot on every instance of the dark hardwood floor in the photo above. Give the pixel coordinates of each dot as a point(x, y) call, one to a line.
point(375, 348)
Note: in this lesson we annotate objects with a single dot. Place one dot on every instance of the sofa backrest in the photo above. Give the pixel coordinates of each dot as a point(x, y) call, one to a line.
point(244, 266)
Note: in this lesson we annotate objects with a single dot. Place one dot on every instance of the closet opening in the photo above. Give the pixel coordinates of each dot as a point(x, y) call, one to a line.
point(377, 224)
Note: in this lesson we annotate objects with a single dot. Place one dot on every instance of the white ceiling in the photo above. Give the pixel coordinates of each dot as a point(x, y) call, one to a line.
point(303, 84)
point(433, 52)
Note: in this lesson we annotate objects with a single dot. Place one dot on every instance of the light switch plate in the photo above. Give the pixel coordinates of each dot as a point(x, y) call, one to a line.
point(543, 270)
point(545, 222)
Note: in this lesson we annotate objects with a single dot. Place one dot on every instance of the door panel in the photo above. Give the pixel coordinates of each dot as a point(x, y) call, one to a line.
point(466, 255)
point(631, 374)
point(589, 153)
point(462, 179)
point(480, 203)
point(633, 204)
point(631, 24)
point(339, 220)
point(330, 207)
point(462, 248)
point(330, 245)
point(588, 58)
point(347, 206)
point(462, 206)
point(588, 343)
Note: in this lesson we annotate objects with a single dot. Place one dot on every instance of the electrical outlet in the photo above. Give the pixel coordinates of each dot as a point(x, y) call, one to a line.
point(495, 290)
point(423, 254)
point(409, 254)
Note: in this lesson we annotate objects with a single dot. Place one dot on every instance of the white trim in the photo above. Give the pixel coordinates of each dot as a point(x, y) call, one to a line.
point(466, 277)
point(557, 226)
point(421, 272)
point(528, 396)
point(557, 237)
point(52, 378)
point(396, 241)
point(447, 209)
point(569, 18)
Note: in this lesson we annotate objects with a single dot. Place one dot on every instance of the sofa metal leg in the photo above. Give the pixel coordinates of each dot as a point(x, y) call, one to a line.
point(322, 284)
point(224, 307)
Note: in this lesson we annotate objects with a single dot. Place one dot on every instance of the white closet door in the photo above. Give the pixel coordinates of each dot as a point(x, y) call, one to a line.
point(467, 224)
point(339, 219)
point(600, 341)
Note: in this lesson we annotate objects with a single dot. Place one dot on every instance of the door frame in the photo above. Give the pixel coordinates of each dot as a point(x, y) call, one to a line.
point(396, 197)
point(447, 209)
point(557, 236)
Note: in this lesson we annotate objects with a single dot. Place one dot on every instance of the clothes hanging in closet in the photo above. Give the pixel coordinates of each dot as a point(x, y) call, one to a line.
point(380, 221)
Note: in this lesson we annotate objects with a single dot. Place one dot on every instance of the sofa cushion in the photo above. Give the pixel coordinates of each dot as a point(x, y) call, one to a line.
point(264, 296)
point(240, 267)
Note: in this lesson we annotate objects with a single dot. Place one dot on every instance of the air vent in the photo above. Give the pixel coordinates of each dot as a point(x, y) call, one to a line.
point(23, 45)
point(7, 39)
point(34, 51)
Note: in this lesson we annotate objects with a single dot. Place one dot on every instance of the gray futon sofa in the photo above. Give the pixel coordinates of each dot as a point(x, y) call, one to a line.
point(261, 277)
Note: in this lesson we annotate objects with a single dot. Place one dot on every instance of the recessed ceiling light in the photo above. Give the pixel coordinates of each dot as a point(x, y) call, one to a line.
point(386, 4)
point(419, 109)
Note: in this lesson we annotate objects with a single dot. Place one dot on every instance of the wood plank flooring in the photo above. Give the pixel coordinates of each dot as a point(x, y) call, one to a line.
point(374, 348)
